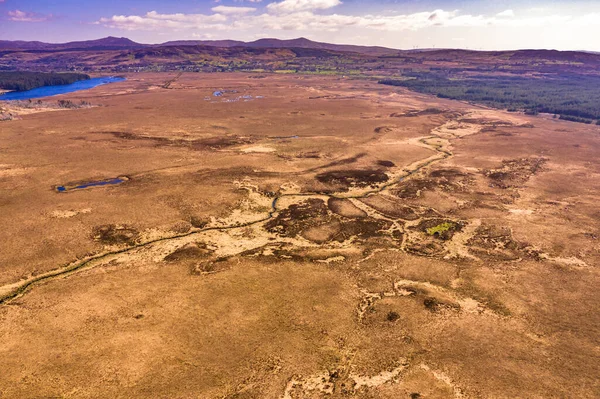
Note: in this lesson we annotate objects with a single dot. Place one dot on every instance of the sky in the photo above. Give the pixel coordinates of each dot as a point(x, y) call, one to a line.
point(403, 24)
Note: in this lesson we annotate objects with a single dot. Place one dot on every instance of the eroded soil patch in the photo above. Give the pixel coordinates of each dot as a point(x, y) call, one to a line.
point(112, 234)
point(448, 180)
point(496, 243)
point(298, 217)
point(208, 143)
point(414, 113)
point(190, 252)
point(343, 180)
point(345, 207)
point(514, 172)
point(312, 220)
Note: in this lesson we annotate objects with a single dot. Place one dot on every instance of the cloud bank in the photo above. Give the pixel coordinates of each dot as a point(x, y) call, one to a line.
point(327, 20)
point(303, 15)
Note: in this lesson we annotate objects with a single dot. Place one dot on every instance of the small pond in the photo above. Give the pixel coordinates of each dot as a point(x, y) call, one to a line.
point(80, 186)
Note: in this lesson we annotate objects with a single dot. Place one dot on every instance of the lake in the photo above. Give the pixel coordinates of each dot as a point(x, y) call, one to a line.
point(47, 91)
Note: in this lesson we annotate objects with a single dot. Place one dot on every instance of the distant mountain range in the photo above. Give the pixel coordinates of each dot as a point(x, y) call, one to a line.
point(293, 43)
point(302, 55)
point(122, 43)
point(107, 43)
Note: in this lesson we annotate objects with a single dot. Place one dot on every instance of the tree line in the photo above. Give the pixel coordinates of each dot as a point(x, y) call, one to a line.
point(25, 80)
point(573, 97)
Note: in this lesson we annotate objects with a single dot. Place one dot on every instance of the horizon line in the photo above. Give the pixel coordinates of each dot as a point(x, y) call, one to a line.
point(300, 38)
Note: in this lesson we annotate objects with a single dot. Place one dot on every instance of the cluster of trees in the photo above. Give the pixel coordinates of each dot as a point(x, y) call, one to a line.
point(580, 120)
point(20, 81)
point(573, 97)
point(71, 104)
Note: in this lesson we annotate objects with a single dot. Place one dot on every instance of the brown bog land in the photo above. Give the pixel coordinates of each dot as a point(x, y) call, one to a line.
point(324, 238)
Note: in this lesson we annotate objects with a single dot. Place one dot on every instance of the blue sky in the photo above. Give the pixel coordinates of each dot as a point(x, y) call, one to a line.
point(499, 24)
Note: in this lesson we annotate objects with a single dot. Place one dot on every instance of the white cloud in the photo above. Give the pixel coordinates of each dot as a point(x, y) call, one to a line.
point(155, 21)
point(506, 14)
point(307, 20)
point(226, 19)
point(289, 6)
point(589, 19)
point(22, 16)
point(203, 36)
point(233, 10)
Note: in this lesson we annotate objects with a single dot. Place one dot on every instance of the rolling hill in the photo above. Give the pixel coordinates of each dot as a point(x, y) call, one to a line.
point(115, 43)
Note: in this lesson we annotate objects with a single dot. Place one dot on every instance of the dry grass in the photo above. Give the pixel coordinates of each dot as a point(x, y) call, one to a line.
point(431, 259)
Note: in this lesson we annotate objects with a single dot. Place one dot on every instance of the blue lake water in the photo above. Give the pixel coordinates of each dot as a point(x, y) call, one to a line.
point(47, 91)
point(62, 189)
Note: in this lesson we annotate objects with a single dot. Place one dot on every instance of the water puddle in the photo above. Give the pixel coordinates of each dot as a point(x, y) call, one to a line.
point(284, 137)
point(97, 183)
